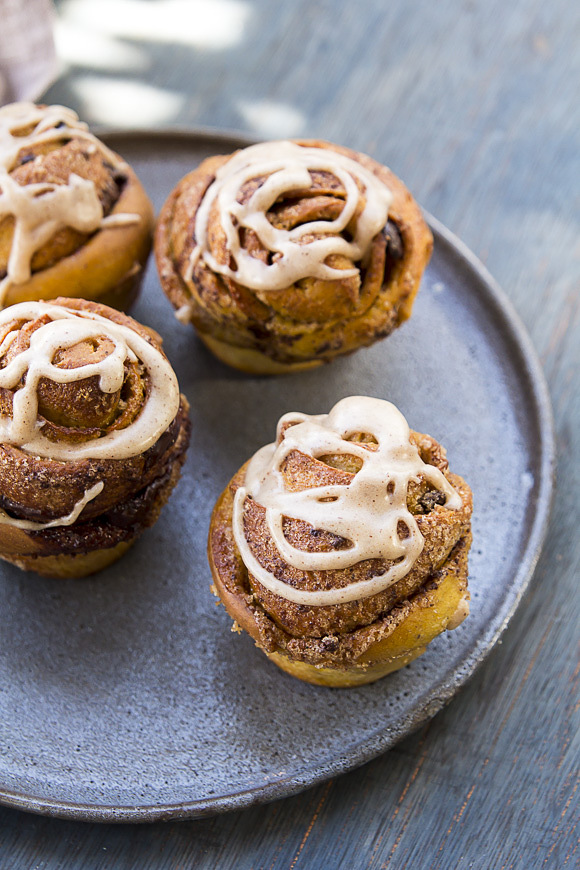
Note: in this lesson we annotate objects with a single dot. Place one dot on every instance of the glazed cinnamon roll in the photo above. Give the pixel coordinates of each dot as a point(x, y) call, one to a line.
point(342, 548)
point(286, 255)
point(72, 213)
point(93, 434)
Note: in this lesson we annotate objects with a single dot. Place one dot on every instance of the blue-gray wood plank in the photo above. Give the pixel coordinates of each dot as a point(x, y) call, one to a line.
point(475, 104)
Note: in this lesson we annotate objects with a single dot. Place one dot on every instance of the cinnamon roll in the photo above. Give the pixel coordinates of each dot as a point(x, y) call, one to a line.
point(286, 255)
point(93, 434)
point(72, 213)
point(342, 548)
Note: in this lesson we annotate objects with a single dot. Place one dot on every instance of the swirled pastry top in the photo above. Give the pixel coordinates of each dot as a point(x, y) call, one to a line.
point(65, 369)
point(285, 255)
point(303, 250)
point(368, 511)
point(42, 201)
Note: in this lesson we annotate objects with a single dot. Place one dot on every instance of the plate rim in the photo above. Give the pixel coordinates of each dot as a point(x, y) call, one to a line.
point(378, 742)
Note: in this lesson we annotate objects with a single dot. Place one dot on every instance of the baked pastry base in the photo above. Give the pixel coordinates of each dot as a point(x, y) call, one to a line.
point(432, 611)
point(252, 361)
point(34, 551)
point(68, 566)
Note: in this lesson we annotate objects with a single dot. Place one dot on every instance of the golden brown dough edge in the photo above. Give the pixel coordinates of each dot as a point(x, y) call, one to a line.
point(404, 212)
point(440, 604)
point(71, 567)
point(109, 267)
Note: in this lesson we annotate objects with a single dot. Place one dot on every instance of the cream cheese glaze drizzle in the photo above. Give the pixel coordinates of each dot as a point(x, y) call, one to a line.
point(66, 328)
point(366, 512)
point(68, 520)
point(288, 167)
point(41, 210)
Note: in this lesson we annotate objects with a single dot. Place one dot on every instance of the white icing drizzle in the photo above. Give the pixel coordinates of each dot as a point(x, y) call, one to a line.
point(366, 512)
point(41, 210)
point(461, 613)
point(287, 167)
point(66, 328)
point(183, 314)
point(191, 264)
point(119, 220)
point(68, 520)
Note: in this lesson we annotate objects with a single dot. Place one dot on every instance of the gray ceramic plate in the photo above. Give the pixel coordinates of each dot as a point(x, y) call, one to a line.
point(125, 697)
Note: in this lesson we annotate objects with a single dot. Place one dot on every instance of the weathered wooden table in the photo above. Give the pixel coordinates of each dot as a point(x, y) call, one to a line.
point(475, 104)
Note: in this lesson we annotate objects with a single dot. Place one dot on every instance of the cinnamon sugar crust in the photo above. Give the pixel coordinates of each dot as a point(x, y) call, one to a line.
point(122, 523)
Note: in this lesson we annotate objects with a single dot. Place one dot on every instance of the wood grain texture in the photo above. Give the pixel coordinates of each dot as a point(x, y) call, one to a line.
point(475, 104)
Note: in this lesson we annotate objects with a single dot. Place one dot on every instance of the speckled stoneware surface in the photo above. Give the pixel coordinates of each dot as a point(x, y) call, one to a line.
point(126, 696)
